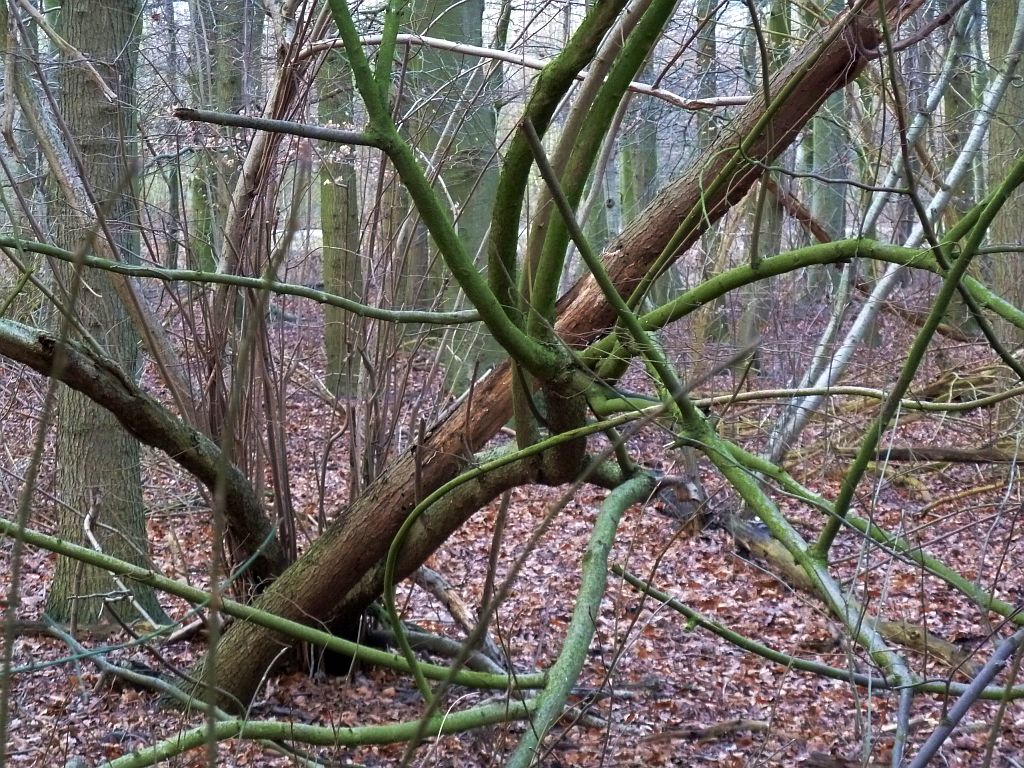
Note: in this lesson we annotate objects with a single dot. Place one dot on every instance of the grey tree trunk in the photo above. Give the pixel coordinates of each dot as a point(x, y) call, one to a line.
point(638, 165)
point(98, 474)
point(339, 212)
point(758, 299)
point(225, 43)
point(1006, 136)
point(828, 200)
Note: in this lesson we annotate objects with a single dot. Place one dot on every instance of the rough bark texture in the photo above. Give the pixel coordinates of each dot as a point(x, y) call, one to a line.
point(226, 37)
point(98, 476)
point(1005, 139)
point(315, 586)
point(104, 383)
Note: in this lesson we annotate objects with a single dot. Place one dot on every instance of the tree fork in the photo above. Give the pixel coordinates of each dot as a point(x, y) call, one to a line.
point(315, 586)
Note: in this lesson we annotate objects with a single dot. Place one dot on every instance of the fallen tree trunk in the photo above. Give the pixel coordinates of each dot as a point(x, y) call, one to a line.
point(344, 562)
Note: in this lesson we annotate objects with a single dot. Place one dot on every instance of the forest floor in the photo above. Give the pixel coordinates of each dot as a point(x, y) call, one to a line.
point(657, 690)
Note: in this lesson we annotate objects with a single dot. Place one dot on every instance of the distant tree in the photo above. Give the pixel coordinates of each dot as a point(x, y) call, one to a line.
point(339, 211)
point(225, 45)
point(1006, 137)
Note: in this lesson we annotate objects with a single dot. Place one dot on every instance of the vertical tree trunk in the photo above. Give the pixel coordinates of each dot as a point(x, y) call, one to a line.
point(339, 213)
point(757, 299)
point(711, 323)
point(638, 177)
point(172, 171)
point(828, 199)
point(1006, 136)
point(226, 39)
point(98, 472)
point(456, 125)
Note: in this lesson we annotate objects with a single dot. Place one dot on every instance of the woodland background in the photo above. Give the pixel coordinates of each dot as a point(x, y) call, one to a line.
point(491, 383)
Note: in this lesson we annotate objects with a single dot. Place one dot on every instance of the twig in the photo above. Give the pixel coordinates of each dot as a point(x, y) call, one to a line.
point(435, 584)
point(69, 50)
point(130, 596)
point(158, 685)
point(530, 62)
point(957, 712)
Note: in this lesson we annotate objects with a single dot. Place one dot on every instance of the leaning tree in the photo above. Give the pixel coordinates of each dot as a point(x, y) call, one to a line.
point(565, 353)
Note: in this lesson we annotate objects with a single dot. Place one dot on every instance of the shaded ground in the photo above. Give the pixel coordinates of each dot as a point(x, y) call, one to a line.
point(654, 685)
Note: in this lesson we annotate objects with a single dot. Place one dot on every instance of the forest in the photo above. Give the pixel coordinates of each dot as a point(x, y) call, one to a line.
point(435, 383)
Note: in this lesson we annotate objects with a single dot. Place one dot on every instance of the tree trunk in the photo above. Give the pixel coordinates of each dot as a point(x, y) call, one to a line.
point(317, 586)
point(1006, 135)
point(638, 176)
point(828, 199)
point(224, 45)
point(98, 475)
point(456, 126)
point(339, 215)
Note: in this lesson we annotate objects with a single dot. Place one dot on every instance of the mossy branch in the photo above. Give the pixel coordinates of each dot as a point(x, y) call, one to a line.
point(321, 735)
point(256, 616)
point(566, 670)
point(243, 281)
point(939, 687)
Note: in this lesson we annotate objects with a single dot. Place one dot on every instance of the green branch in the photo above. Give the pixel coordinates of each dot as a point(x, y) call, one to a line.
point(543, 361)
point(611, 350)
point(566, 670)
point(256, 616)
point(505, 458)
point(848, 611)
point(586, 149)
point(940, 687)
point(321, 735)
point(893, 543)
point(553, 82)
point(605, 404)
point(951, 282)
point(242, 281)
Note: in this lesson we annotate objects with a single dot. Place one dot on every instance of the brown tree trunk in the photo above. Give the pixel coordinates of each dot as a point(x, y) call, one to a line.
point(323, 583)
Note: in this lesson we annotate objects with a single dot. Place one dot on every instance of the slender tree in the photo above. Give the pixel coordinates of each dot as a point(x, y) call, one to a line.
point(339, 212)
point(226, 38)
point(1006, 135)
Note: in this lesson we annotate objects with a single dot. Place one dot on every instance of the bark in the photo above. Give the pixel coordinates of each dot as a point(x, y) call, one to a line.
point(318, 583)
point(226, 39)
point(456, 124)
point(1005, 136)
point(339, 211)
point(98, 474)
point(103, 382)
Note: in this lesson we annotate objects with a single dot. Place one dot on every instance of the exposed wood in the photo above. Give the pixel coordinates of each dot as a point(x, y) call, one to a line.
point(437, 585)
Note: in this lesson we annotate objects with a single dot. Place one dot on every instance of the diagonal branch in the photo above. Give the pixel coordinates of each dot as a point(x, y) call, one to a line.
point(149, 422)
